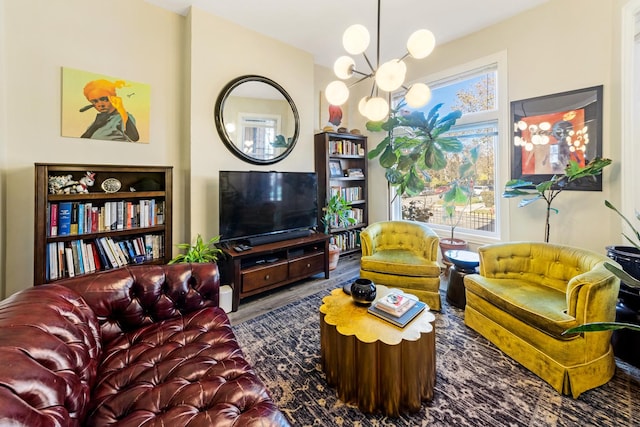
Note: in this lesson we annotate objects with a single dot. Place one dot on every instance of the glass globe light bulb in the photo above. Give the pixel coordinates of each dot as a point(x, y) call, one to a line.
point(421, 44)
point(528, 146)
point(343, 67)
point(376, 109)
point(390, 75)
point(522, 125)
point(356, 39)
point(418, 95)
point(362, 105)
point(337, 92)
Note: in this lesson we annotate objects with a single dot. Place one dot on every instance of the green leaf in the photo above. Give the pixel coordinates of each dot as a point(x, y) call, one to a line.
point(450, 144)
point(414, 183)
point(601, 326)
point(434, 158)
point(527, 202)
point(394, 177)
point(379, 148)
point(623, 275)
point(374, 126)
point(388, 158)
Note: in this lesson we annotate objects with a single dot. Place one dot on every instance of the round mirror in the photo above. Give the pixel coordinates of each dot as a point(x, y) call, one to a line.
point(257, 119)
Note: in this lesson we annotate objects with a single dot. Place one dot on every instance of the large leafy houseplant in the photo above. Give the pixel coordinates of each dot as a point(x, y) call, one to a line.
point(550, 189)
point(623, 276)
point(414, 145)
point(199, 252)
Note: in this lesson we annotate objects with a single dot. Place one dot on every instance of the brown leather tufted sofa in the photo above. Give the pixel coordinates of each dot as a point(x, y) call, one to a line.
point(137, 346)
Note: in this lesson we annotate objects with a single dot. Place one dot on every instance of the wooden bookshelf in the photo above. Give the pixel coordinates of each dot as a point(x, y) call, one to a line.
point(349, 152)
point(137, 219)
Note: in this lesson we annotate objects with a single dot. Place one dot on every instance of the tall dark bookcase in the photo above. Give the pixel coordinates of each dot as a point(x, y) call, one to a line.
point(139, 199)
point(345, 155)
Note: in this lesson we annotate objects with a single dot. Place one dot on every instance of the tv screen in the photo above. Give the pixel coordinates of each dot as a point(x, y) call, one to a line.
point(254, 203)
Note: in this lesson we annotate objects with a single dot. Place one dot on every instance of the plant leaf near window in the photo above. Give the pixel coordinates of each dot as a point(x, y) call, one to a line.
point(549, 190)
point(414, 144)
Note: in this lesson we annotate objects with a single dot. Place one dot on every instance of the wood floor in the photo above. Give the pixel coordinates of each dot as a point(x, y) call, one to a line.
point(348, 267)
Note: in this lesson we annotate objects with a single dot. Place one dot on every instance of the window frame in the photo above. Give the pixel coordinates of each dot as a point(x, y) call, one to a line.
point(500, 117)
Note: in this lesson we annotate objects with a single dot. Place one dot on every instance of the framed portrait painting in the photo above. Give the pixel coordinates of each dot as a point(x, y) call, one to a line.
point(550, 131)
point(97, 106)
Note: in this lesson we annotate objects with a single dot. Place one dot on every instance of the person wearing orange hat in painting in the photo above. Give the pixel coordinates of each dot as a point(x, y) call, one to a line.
point(112, 122)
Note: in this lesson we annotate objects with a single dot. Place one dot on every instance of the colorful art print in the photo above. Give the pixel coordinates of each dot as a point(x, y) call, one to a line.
point(550, 131)
point(333, 116)
point(97, 106)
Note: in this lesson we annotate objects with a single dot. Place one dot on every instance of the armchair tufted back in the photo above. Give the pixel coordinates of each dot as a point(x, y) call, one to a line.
point(46, 379)
point(136, 296)
point(413, 236)
point(544, 263)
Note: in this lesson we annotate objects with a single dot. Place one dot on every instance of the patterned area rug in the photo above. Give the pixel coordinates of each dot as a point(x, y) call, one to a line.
point(476, 384)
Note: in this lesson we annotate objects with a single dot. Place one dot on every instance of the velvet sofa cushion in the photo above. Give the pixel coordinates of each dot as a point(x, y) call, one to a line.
point(540, 306)
point(400, 262)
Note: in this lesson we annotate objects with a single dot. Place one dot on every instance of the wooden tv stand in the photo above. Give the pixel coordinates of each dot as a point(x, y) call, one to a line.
point(272, 265)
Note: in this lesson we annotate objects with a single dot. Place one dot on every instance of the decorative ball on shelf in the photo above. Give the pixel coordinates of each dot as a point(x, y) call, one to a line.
point(363, 291)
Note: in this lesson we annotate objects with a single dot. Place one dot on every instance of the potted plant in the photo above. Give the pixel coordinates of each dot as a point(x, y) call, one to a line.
point(459, 193)
point(200, 252)
point(549, 190)
point(414, 145)
point(337, 213)
point(628, 307)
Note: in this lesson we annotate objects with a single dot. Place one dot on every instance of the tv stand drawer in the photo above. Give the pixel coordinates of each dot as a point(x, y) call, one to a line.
point(307, 265)
point(257, 278)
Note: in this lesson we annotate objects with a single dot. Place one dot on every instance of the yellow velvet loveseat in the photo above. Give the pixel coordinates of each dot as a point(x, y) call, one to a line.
point(402, 254)
point(526, 294)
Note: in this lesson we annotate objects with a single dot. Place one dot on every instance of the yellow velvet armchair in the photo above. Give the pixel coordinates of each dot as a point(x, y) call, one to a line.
point(526, 294)
point(402, 254)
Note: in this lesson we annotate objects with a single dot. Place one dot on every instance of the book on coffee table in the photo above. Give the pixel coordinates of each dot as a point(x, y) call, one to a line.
point(404, 319)
point(396, 303)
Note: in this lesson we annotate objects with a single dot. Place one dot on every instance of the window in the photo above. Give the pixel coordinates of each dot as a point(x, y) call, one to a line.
point(474, 93)
point(258, 134)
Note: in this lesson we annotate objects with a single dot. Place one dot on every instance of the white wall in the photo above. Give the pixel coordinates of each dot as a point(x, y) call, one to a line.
point(559, 46)
point(221, 51)
point(121, 38)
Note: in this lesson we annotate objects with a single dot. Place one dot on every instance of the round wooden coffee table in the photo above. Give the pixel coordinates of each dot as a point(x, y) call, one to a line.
point(371, 362)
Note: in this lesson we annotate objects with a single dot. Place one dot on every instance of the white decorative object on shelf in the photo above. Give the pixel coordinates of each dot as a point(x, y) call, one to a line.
point(111, 185)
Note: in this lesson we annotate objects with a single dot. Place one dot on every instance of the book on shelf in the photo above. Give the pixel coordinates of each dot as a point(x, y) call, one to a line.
point(69, 258)
point(401, 321)
point(53, 219)
point(64, 218)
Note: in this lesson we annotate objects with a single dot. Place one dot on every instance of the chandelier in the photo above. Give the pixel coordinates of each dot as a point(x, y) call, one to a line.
point(387, 77)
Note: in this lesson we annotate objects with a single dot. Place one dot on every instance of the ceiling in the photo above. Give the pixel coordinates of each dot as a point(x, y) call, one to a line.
point(317, 26)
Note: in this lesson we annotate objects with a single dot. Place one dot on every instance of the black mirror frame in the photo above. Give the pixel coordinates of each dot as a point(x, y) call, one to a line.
point(226, 139)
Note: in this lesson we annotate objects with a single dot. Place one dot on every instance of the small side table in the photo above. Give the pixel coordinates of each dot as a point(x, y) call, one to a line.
point(464, 262)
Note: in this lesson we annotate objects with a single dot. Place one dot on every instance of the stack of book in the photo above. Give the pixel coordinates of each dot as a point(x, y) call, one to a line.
point(397, 307)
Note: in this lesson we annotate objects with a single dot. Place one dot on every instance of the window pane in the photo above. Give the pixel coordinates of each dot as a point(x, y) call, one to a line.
point(479, 213)
point(472, 92)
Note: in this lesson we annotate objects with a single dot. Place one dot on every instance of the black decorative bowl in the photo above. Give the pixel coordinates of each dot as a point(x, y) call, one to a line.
point(363, 291)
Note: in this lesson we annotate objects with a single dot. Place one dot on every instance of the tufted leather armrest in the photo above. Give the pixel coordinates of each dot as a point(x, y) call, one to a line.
point(49, 351)
point(129, 298)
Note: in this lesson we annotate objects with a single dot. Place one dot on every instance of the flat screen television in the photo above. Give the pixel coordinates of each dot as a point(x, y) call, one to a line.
point(266, 206)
